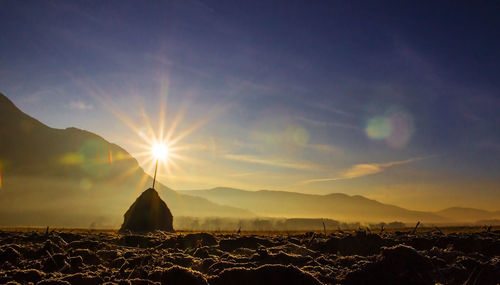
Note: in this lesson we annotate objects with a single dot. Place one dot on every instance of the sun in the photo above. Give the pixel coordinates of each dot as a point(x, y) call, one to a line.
point(160, 146)
point(160, 151)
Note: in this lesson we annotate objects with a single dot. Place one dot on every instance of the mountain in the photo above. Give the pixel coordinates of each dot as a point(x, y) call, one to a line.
point(334, 206)
point(74, 178)
point(468, 214)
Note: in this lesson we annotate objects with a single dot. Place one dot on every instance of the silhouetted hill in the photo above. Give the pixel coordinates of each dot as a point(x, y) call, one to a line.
point(74, 178)
point(468, 214)
point(71, 177)
point(334, 206)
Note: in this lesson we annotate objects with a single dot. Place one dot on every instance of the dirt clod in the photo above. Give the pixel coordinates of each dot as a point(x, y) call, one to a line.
point(214, 258)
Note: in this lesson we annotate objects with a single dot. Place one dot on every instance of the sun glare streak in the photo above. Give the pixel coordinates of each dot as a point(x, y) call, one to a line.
point(162, 115)
point(189, 131)
point(124, 175)
point(155, 147)
point(184, 147)
point(161, 144)
point(142, 183)
point(178, 117)
point(187, 159)
point(149, 127)
point(99, 95)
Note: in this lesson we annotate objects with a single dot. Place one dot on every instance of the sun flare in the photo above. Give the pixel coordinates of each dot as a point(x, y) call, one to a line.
point(158, 146)
point(160, 151)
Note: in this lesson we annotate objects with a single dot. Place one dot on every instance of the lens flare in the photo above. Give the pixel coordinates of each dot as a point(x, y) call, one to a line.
point(395, 128)
point(300, 136)
point(378, 128)
point(110, 157)
point(401, 130)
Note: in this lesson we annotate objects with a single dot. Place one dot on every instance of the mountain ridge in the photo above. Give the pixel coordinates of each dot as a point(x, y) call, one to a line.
point(48, 171)
point(469, 214)
point(320, 202)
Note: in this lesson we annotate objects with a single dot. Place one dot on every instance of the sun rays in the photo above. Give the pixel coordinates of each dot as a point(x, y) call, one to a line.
point(163, 141)
point(144, 123)
point(163, 144)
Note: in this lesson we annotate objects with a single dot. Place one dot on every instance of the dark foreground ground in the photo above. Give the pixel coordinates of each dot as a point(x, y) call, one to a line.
point(77, 257)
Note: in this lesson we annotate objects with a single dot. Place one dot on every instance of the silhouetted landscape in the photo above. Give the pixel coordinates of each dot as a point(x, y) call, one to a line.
point(75, 179)
point(77, 172)
point(46, 172)
point(249, 142)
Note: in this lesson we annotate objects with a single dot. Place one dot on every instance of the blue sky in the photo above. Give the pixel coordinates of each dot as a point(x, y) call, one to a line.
point(395, 101)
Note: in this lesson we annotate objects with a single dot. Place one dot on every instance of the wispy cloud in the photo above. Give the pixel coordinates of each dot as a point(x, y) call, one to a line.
point(364, 169)
point(331, 109)
point(328, 123)
point(270, 162)
point(244, 174)
point(79, 105)
point(325, 148)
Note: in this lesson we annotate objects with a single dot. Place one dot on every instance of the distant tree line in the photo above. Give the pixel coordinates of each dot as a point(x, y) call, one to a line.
point(273, 224)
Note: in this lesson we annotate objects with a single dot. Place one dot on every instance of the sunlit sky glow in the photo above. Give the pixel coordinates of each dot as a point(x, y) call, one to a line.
point(394, 101)
point(160, 151)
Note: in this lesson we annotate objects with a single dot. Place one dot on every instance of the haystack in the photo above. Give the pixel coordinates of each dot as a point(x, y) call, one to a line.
point(148, 213)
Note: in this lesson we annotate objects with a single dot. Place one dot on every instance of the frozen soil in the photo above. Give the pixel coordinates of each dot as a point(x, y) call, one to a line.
point(63, 257)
